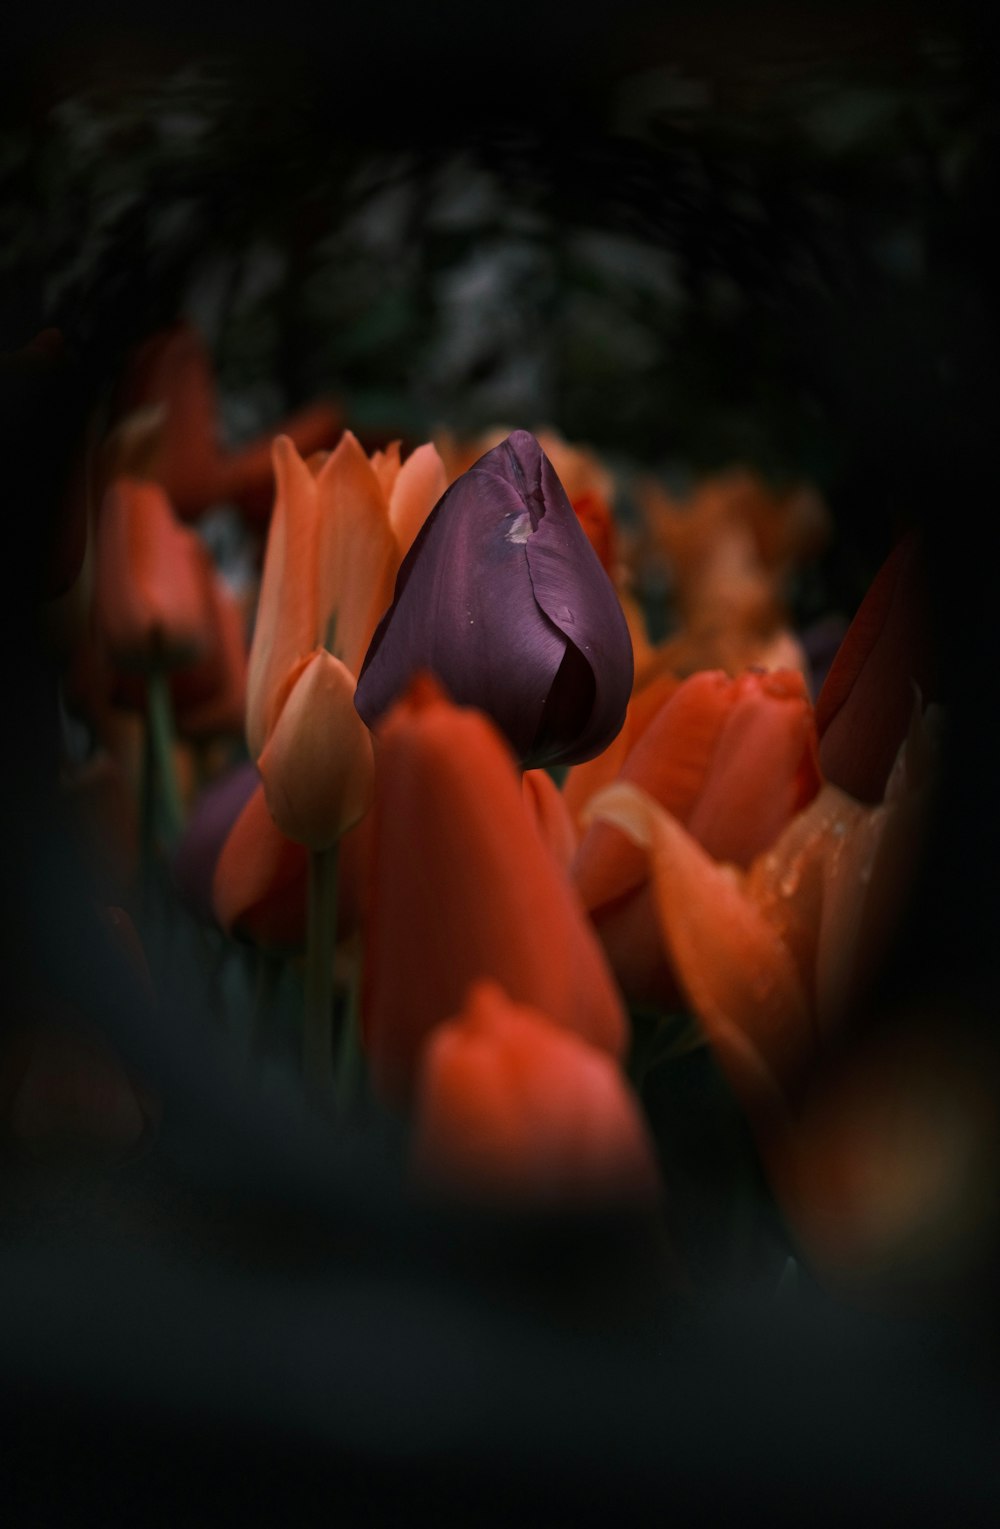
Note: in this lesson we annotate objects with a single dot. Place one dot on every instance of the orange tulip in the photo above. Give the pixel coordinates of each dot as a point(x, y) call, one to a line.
point(463, 887)
point(772, 957)
point(547, 805)
point(174, 369)
point(728, 550)
point(863, 710)
point(512, 1109)
point(208, 694)
point(731, 543)
point(149, 595)
point(336, 539)
point(259, 884)
point(733, 760)
point(260, 878)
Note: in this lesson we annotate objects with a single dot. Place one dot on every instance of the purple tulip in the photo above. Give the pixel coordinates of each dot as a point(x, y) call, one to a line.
point(503, 598)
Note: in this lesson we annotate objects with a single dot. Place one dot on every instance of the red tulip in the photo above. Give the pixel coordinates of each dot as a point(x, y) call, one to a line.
point(149, 596)
point(174, 369)
point(259, 882)
point(513, 1109)
point(864, 708)
point(464, 887)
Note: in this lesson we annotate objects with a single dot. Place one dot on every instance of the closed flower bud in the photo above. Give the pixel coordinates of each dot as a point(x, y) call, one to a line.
point(502, 597)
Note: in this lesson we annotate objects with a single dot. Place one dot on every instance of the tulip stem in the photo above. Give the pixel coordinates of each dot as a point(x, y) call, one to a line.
point(349, 1041)
point(267, 976)
point(321, 942)
point(160, 754)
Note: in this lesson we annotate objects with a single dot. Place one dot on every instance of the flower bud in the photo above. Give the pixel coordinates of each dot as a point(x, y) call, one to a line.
point(502, 597)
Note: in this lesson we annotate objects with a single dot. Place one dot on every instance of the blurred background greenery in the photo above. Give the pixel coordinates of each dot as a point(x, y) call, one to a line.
point(685, 235)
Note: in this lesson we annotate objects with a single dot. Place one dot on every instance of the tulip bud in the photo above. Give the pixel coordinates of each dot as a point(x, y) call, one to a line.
point(502, 597)
point(513, 1109)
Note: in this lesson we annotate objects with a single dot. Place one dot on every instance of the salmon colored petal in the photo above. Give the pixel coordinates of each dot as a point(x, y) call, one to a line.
point(545, 802)
point(356, 553)
point(149, 593)
point(629, 931)
point(318, 766)
point(385, 466)
point(738, 975)
point(511, 1108)
point(745, 746)
point(421, 482)
point(287, 619)
point(764, 767)
point(584, 780)
point(463, 887)
point(260, 880)
point(789, 881)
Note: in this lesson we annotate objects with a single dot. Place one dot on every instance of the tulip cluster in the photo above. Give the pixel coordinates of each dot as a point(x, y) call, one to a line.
point(493, 833)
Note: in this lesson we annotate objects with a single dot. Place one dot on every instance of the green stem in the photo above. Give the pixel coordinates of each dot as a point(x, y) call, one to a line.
point(160, 736)
point(321, 941)
point(147, 843)
point(349, 1069)
point(266, 979)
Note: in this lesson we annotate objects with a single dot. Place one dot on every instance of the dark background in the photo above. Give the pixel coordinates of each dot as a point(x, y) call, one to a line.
point(712, 233)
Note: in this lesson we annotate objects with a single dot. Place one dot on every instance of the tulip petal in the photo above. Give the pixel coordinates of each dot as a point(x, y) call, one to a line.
point(285, 628)
point(208, 827)
point(259, 885)
point(546, 804)
point(356, 555)
point(863, 710)
point(463, 887)
point(318, 766)
point(512, 1108)
point(503, 598)
point(576, 594)
point(420, 484)
point(745, 748)
point(464, 609)
point(149, 594)
point(739, 977)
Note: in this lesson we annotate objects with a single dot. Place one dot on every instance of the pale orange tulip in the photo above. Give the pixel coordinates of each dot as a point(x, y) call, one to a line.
point(340, 525)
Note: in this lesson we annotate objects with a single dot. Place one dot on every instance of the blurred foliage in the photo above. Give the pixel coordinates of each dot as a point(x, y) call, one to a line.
point(719, 261)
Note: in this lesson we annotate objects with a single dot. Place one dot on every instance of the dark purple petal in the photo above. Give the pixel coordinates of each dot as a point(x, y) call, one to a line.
point(493, 598)
point(212, 817)
point(576, 594)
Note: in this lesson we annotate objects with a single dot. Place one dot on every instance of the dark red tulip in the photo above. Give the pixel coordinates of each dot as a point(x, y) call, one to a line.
point(503, 598)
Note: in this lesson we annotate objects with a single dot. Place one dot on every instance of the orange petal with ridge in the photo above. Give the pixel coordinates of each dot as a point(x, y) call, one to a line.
point(421, 482)
point(286, 621)
point(356, 554)
point(739, 976)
